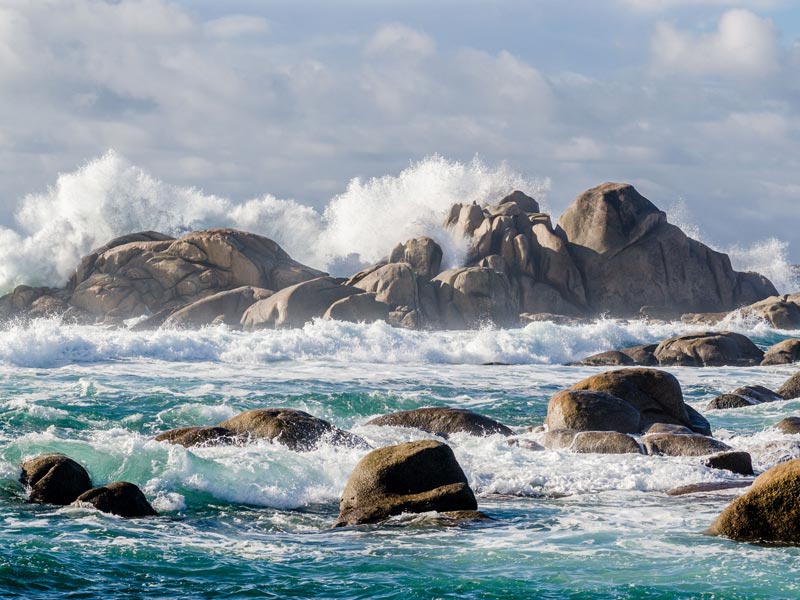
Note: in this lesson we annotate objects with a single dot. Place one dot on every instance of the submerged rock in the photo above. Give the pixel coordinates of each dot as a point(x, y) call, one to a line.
point(200, 436)
point(670, 444)
point(782, 353)
point(443, 421)
point(708, 349)
point(119, 498)
point(54, 479)
point(295, 429)
point(413, 477)
point(768, 512)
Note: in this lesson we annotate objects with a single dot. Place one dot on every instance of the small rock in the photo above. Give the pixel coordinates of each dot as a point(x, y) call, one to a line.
point(782, 353)
point(791, 388)
point(54, 479)
point(443, 421)
point(119, 498)
point(737, 462)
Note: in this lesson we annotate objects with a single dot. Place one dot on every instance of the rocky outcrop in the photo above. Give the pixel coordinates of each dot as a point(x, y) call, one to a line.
point(358, 308)
point(413, 477)
point(708, 349)
point(791, 388)
point(630, 257)
point(54, 479)
point(200, 436)
point(749, 395)
point(670, 444)
point(223, 307)
point(768, 512)
point(782, 353)
point(119, 498)
point(474, 296)
point(296, 305)
point(443, 421)
point(422, 254)
point(782, 312)
point(132, 278)
point(656, 395)
point(740, 463)
point(295, 429)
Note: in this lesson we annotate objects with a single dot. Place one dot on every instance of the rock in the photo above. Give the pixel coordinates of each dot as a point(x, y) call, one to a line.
point(587, 410)
point(668, 428)
point(132, 278)
point(228, 307)
point(759, 393)
point(791, 388)
point(443, 421)
point(768, 512)
point(671, 444)
point(524, 203)
point(782, 353)
point(707, 486)
point(789, 425)
point(296, 305)
point(54, 479)
point(413, 477)
point(782, 312)
point(474, 296)
point(703, 318)
point(295, 429)
point(119, 498)
point(737, 462)
point(526, 318)
point(358, 308)
point(199, 436)
point(655, 394)
point(591, 442)
point(538, 298)
point(708, 349)
point(32, 302)
point(643, 355)
point(610, 358)
point(394, 284)
point(630, 257)
point(726, 401)
point(422, 254)
point(525, 443)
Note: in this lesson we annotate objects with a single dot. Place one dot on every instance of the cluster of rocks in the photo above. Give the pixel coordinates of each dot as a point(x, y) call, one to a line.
point(57, 479)
point(702, 349)
point(612, 252)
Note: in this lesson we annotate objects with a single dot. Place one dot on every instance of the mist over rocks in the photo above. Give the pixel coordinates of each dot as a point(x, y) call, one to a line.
point(612, 252)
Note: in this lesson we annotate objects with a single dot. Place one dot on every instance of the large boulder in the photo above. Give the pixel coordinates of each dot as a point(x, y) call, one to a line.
point(199, 436)
point(413, 477)
point(394, 284)
point(587, 410)
point(708, 349)
point(443, 421)
point(140, 277)
point(782, 312)
point(740, 463)
point(474, 296)
point(655, 394)
point(223, 307)
point(119, 498)
point(296, 305)
point(671, 444)
point(782, 353)
point(768, 512)
point(54, 479)
point(295, 429)
point(422, 254)
point(358, 308)
point(630, 257)
point(790, 388)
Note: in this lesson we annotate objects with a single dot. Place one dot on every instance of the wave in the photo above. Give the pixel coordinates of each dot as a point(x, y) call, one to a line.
point(48, 343)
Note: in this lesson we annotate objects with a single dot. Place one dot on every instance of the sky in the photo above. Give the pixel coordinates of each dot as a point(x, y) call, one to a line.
point(694, 102)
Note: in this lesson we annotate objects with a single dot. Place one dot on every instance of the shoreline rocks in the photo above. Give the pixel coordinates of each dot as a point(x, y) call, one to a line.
point(443, 421)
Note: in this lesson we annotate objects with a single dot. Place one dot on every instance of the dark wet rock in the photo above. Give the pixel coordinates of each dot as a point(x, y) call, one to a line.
point(709, 349)
point(682, 445)
point(768, 512)
point(669, 428)
point(54, 479)
point(738, 462)
point(296, 305)
point(119, 498)
point(200, 436)
point(223, 307)
point(588, 410)
point(782, 353)
point(791, 388)
point(443, 421)
point(655, 394)
point(295, 429)
point(789, 425)
point(707, 486)
point(725, 401)
point(413, 477)
point(610, 358)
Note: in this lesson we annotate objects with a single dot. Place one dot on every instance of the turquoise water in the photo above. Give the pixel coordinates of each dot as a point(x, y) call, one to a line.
point(255, 521)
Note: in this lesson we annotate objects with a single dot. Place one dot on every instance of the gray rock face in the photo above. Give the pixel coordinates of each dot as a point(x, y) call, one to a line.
point(443, 421)
point(225, 307)
point(296, 305)
point(587, 410)
point(782, 353)
point(708, 349)
point(200, 436)
point(54, 479)
point(670, 444)
point(473, 296)
point(791, 388)
point(358, 308)
point(295, 429)
point(655, 394)
point(414, 477)
point(140, 277)
point(119, 498)
point(423, 255)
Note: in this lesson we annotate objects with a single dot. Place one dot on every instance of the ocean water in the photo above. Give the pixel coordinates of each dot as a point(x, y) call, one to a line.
point(255, 521)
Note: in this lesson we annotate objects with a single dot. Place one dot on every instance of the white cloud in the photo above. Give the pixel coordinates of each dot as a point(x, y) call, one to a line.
point(743, 46)
point(666, 5)
point(398, 40)
point(232, 26)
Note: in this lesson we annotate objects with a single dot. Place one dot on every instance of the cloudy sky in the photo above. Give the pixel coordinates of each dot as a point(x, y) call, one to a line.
point(689, 100)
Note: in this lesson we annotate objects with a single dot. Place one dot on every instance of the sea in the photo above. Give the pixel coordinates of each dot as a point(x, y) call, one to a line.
point(256, 521)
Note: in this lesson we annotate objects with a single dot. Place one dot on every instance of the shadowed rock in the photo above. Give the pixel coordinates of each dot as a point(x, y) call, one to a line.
point(682, 445)
point(54, 479)
point(119, 498)
point(443, 421)
point(768, 512)
point(725, 401)
point(738, 462)
point(413, 477)
point(791, 388)
point(359, 308)
point(610, 358)
point(295, 429)
point(200, 436)
point(782, 353)
point(226, 307)
point(708, 349)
